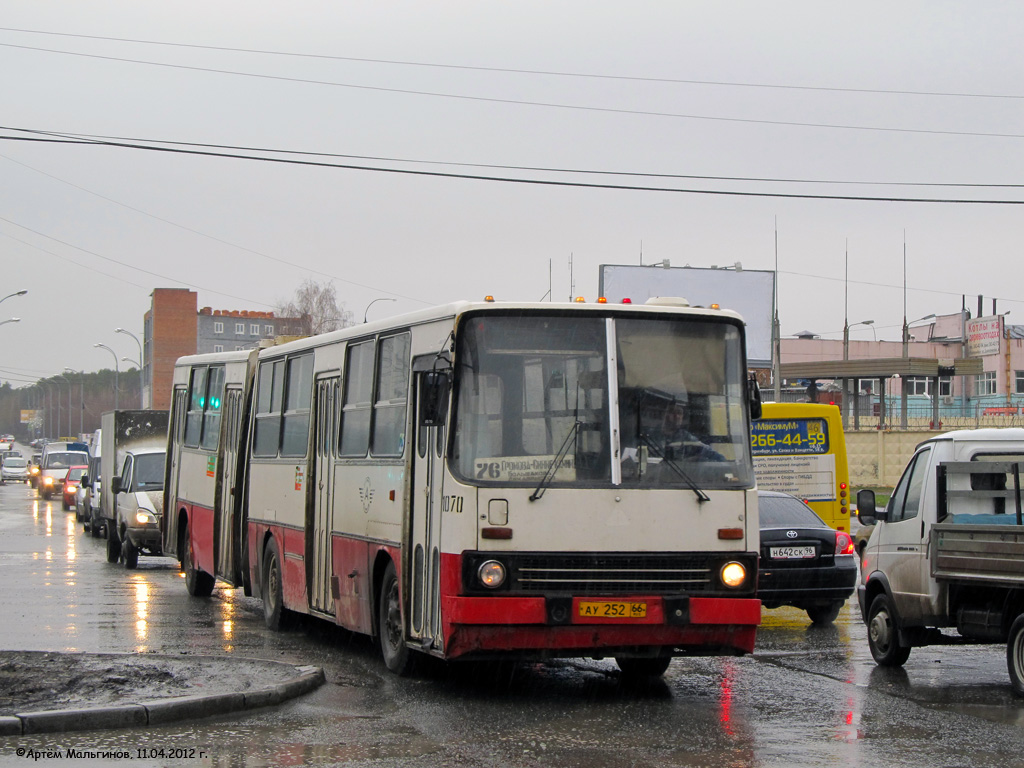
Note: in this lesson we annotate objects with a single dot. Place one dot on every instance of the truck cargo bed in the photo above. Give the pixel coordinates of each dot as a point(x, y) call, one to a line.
point(990, 554)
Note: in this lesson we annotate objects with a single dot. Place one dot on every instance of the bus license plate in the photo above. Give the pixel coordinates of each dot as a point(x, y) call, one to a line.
point(791, 553)
point(612, 610)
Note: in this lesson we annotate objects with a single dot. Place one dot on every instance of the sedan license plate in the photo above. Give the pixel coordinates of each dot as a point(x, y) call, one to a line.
point(591, 609)
point(791, 553)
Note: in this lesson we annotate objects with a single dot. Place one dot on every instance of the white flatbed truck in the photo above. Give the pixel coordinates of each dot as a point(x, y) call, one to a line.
point(947, 551)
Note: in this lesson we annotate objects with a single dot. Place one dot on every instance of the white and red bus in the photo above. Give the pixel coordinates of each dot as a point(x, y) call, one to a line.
point(482, 480)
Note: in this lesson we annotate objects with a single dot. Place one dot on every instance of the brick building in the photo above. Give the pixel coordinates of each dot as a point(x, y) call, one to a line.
point(174, 326)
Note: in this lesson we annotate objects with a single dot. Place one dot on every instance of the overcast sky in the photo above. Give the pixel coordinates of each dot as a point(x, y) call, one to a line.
point(882, 100)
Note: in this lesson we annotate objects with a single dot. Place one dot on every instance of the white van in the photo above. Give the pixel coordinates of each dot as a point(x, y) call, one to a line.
point(57, 458)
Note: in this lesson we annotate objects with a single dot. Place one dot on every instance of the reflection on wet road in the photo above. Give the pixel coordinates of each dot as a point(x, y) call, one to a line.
point(808, 696)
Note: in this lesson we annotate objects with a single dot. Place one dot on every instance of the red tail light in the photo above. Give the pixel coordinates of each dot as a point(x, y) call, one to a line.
point(844, 543)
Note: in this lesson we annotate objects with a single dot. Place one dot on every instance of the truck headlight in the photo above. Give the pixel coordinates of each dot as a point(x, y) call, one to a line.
point(47, 481)
point(491, 574)
point(733, 574)
point(144, 518)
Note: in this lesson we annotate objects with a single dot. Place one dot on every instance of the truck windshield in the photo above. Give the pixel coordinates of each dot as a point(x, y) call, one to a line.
point(149, 472)
point(63, 460)
point(528, 385)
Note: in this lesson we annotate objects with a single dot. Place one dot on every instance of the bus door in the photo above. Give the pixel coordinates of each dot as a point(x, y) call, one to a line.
point(424, 562)
point(318, 528)
point(228, 532)
point(179, 410)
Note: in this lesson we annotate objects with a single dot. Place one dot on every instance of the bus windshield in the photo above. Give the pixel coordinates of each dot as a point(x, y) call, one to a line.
point(534, 402)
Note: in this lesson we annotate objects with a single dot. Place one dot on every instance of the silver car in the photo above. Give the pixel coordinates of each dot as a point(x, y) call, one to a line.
point(14, 468)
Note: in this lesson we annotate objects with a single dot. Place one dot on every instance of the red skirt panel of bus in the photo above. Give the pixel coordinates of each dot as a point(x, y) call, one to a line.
point(351, 583)
point(291, 544)
point(200, 531)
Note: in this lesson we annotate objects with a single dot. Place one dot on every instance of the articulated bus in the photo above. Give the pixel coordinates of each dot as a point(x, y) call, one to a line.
point(482, 480)
point(800, 448)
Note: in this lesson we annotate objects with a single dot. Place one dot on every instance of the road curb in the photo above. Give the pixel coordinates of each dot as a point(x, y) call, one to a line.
point(161, 711)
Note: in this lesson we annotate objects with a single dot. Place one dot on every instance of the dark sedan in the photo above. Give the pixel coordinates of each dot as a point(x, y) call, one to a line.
point(804, 563)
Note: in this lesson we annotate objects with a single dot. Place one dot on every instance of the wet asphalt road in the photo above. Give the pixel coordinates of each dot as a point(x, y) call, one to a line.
point(807, 697)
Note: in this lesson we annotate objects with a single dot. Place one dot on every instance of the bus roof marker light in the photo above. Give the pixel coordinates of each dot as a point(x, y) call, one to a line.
point(489, 298)
point(580, 300)
point(627, 301)
point(602, 300)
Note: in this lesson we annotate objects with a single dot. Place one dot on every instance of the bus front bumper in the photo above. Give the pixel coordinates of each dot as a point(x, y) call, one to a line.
point(569, 626)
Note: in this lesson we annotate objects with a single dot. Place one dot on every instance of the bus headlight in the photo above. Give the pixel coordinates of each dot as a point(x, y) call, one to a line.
point(733, 574)
point(491, 574)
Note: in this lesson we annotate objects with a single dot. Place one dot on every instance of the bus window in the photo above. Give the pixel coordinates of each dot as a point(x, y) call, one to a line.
point(392, 395)
point(268, 408)
point(355, 414)
point(295, 428)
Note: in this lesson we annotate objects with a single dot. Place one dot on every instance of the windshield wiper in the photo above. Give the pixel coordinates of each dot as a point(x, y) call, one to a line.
point(701, 496)
point(550, 474)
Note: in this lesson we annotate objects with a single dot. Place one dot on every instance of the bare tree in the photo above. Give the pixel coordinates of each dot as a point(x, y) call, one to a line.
point(316, 309)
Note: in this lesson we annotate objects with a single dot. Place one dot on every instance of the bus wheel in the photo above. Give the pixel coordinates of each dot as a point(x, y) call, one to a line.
point(397, 656)
point(1015, 655)
point(274, 612)
point(197, 582)
point(113, 545)
point(883, 637)
point(130, 553)
point(651, 667)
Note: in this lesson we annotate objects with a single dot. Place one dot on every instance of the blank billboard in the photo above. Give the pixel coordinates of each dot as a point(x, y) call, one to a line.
point(748, 292)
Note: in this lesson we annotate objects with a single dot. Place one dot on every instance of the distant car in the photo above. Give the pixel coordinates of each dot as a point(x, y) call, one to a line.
point(14, 468)
point(804, 563)
point(70, 485)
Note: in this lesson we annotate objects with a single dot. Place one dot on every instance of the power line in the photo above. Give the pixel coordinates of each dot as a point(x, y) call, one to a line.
point(524, 102)
point(494, 166)
point(521, 71)
point(513, 180)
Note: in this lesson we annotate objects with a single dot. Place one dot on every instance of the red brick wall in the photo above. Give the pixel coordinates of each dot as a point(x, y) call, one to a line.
point(174, 313)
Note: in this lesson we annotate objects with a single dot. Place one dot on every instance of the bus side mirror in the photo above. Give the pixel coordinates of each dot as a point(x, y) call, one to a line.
point(754, 396)
point(434, 386)
point(867, 511)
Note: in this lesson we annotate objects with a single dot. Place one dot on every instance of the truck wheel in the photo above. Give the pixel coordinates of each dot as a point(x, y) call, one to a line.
point(1015, 655)
point(198, 583)
point(113, 545)
point(636, 668)
point(397, 656)
point(274, 613)
point(826, 614)
point(130, 553)
point(883, 638)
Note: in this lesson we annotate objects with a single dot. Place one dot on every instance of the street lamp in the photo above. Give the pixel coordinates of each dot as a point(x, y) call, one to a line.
point(141, 356)
point(116, 371)
point(81, 400)
point(906, 331)
point(372, 303)
point(846, 336)
point(22, 292)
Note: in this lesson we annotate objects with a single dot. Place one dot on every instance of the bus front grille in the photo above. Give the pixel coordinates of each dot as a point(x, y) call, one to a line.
point(611, 574)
